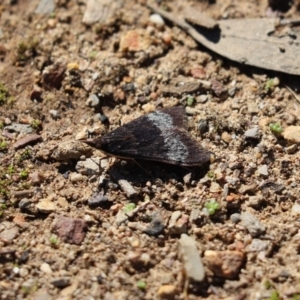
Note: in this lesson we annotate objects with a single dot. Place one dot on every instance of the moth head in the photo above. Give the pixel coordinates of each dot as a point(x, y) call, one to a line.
point(95, 143)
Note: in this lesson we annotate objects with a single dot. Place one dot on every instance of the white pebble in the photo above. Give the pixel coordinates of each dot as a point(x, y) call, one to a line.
point(157, 20)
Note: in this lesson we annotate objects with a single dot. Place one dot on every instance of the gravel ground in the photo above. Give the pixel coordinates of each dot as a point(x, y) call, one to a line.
point(78, 225)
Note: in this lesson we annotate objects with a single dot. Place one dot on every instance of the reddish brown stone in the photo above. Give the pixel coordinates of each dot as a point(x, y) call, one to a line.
point(71, 230)
point(27, 139)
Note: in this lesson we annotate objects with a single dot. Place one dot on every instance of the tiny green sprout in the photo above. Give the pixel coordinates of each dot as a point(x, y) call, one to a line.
point(141, 284)
point(211, 175)
point(269, 85)
point(274, 295)
point(3, 145)
point(24, 174)
point(4, 95)
point(53, 240)
point(212, 206)
point(1, 125)
point(93, 54)
point(10, 170)
point(190, 101)
point(26, 154)
point(276, 128)
point(36, 124)
point(129, 207)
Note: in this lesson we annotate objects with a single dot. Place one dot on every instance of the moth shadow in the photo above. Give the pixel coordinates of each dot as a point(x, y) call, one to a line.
point(141, 172)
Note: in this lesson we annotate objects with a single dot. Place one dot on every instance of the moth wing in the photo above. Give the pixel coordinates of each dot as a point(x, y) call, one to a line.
point(173, 146)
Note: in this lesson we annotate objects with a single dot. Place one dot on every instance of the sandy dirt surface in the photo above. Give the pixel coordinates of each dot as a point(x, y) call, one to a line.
point(75, 224)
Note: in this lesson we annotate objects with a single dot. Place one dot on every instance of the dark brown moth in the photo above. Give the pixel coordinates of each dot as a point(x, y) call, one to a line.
point(159, 136)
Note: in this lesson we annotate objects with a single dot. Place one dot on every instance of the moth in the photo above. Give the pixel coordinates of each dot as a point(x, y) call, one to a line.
point(159, 136)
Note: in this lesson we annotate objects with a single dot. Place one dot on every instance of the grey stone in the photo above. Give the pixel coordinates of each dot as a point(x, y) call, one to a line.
point(127, 188)
point(97, 199)
point(191, 258)
point(60, 282)
point(258, 245)
point(156, 226)
point(90, 166)
point(252, 133)
point(24, 204)
point(45, 7)
point(19, 128)
point(121, 217)
point(254, 227)
point(235, 218)
point(232, 180)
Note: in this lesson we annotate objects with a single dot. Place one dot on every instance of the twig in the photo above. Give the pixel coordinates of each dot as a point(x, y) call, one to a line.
point(293, 93)
point(179, 22)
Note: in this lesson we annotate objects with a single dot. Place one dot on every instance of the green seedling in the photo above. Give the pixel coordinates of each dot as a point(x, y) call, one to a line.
point(3, 145)
point(54, 240)
point(211, 175)
point(129, 207)
point(141, 284)
point(5, 97)
point(212, 206)
point(26, 154)
point(24, 174)
point(36, 124)
point(190, 101)
point(270, 84)
point(10, 170)
point(93, 54)
point(274, 295)
point(276, 128)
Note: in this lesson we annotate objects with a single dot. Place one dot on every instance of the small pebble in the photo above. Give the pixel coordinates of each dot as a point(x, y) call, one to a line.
point(54, 113)
point(8, 235)
point(235, 218)
point(23, 272)
point(127, 188)
point(46, 206)
point(252, 133)
point(121, 217)
point(156, 226)
point(60, 282)
point(97, 199)
point(296, 208)
point(45, 268)
point(250, 222)
point(263, 171)
point(203, 126)
point(202, 98)
point(89, 167)
point(167, 291)
point(157, 20)
point(76, 177)
point(178, 223)
point(291, 149)
point(226, 137)
point(24, 204)
point(225, 264)
point(92, 101)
